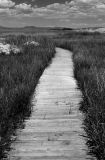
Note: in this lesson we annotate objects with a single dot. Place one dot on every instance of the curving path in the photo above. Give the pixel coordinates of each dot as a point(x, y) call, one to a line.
point(54, 128)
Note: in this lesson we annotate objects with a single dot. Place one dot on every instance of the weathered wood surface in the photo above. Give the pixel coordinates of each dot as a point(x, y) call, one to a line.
point(54, 129)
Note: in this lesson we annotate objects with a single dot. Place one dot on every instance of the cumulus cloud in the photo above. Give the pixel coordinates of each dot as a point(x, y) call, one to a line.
point(84, 1)
point(100, 6)
point(79, 11)
point(23, 8)
point(75, 10)
point(6, 3)
point(55, 10)
point(72, 9)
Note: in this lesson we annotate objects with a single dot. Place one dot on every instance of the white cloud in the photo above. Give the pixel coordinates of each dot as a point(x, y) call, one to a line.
point(4, 10)
point(6, 3)
point(55, 10)
point(23, 6)
point(76, 10)
point(85, 1)
point(100, 6)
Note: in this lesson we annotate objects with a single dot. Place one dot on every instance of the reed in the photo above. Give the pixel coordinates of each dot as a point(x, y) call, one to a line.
point(89, 71)
point(19, 75)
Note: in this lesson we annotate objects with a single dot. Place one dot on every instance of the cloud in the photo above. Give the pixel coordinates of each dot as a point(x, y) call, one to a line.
point(72, 9)
point(55, 10)
point(6, 3)
point(84, 1)
point(11, 9)
point(24, 8)
point(75, 11)
point(100, 6)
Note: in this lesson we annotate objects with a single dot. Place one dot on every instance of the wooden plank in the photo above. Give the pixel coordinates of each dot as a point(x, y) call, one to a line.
point(54, 129)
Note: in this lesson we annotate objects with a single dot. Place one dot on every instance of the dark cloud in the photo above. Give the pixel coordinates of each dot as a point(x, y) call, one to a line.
point(40, 3)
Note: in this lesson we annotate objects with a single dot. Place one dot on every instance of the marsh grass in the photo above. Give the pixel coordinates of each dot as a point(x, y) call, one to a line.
point(89, 71)
point(19, 75)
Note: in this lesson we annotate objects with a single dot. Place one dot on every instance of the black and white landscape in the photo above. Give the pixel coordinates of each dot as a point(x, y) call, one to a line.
point(52, 80)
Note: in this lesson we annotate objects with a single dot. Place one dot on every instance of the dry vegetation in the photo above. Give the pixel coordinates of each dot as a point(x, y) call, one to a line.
point(19, 75)
point(89, 71)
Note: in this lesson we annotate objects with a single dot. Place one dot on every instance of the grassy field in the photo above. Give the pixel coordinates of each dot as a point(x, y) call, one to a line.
point(19, 75)
point(89, 70)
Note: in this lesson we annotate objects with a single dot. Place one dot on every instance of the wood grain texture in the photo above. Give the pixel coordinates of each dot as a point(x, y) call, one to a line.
point(54, 129)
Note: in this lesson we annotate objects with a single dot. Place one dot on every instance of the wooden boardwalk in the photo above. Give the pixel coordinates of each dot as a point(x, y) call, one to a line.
point(54, 128)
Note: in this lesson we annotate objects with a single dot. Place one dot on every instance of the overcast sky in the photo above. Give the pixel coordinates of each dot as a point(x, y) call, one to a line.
point(67, 13)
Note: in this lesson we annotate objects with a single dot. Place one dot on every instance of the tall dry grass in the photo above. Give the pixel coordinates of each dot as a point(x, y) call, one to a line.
point(89, 71)
point(19, 75)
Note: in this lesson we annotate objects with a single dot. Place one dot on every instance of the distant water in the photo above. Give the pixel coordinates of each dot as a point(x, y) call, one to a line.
point(54, 129)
